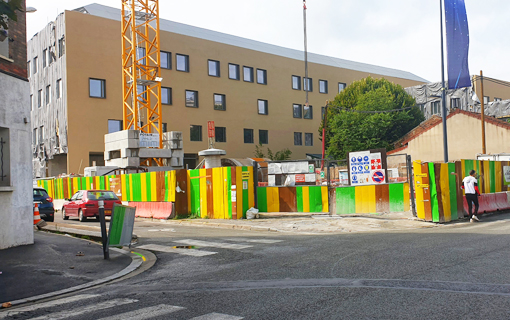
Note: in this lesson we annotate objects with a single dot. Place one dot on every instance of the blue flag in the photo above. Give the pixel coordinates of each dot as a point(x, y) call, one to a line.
point(457, 44)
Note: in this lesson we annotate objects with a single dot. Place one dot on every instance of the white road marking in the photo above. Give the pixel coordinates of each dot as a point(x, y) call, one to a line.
point(217, 316)
point(81, 297)
point(145, 313)
point(161, 230)
point(200, 243)
point(86, 309)
point(268, 241)
point(187, 252)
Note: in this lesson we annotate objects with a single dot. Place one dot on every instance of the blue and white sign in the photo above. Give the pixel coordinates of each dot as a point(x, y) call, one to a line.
point(359, 167)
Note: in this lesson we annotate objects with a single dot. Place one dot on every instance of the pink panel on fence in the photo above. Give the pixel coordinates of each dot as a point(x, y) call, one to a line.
point(155, 210)
point(491, 202)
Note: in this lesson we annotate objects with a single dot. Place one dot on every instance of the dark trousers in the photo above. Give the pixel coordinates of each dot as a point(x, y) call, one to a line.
point(472, 198)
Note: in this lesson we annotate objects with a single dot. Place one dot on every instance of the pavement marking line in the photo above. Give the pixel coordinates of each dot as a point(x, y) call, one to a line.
point(267, 241)
point(81, 297)
point(82, 310)
point(200, 243)
point(186, 252)
point(217, 316)
point(145, 313)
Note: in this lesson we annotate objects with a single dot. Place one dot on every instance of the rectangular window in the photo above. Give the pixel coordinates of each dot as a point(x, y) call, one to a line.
point(165, 59)
point(164, 127)
point(214, 68)
point(166, 95)
point(436, 107)
point(39, 98)
point(44, 58)
point(261, 76)
point(248, 74)
point(323, 111)
point(58, 88)
point(192, 99)
point(486, 100)
point(114, 126)
point(195, 133)
point(31, 102)
point(97, 88)
point(323, 86)
point(497, 99)
point(35, 65)
point(248, 135)
point(140, 55)
point(34, 137)
point(296, 82)
point(341, 86)
point(5, 160)
point(233, 71)
point(298, 139)
point(309, 139)
point(307, 112)
point(262, 107)
point(182, 62)
point(220, 102)
point(455, 103)
point(422, 107)
point(60, 47)
point(41, 135)
point(308, 85)
point(28, 68)
point(220, 134)
point(297, 111)
point(48, 95)
point(50, 56)
point(263, 137)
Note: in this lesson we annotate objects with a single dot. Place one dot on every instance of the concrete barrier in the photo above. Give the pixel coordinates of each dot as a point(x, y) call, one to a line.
point(491, 202)
point(155, 210)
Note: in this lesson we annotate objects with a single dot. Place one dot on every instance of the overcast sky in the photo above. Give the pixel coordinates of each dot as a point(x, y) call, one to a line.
point(400, 34)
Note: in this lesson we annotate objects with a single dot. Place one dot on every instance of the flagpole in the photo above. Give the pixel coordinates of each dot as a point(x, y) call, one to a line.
point(443, 88)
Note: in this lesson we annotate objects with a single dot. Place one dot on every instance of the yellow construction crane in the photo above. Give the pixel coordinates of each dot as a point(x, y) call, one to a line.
point(141, 69)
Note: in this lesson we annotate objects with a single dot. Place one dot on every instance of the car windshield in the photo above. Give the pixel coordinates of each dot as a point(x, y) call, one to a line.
point(101, 195)
point(40, 193)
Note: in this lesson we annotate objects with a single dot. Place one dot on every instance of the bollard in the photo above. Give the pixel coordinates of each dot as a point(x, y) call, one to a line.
point(104, 235)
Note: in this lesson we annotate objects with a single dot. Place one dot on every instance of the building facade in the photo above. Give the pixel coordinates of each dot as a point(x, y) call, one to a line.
point(253, 91)
point(16, 215)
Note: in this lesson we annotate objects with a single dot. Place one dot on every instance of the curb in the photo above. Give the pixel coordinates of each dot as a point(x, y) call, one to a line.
point(94, 235)
point(211, 224)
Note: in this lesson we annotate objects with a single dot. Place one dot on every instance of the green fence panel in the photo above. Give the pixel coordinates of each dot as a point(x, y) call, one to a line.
point(396, 196)
point(433, 193)
point(315, 193)
point(452, 179)
point(346, 200)
point(261, 199)
point(299, 198)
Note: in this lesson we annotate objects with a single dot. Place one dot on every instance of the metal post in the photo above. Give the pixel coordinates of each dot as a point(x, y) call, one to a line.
point(324, 124)
point(255, 183)
point(410, 179)
point(306, 53)
point(484, 146)
point(104, 235)
point(443, 89)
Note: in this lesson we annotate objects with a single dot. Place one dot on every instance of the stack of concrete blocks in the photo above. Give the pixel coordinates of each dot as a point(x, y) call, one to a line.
point(173, 140)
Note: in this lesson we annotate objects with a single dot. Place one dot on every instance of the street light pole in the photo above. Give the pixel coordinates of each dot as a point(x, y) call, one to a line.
point(443, 89)
point(484, 147)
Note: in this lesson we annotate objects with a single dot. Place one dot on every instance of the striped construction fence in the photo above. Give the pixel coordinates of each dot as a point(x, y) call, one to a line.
point(293, 199)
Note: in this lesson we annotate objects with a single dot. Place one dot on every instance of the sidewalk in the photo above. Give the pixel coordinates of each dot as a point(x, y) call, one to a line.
point(53, 263)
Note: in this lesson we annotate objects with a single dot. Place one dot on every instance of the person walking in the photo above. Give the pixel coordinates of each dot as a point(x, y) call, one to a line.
point(470, 186)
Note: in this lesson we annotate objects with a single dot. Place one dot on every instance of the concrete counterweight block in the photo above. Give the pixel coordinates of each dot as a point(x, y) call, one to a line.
point(212, 157)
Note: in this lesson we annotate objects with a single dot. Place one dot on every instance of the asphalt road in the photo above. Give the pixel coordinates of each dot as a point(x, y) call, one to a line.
point(460, 271)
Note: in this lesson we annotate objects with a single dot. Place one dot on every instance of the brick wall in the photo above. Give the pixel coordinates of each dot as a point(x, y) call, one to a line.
point(17, 47)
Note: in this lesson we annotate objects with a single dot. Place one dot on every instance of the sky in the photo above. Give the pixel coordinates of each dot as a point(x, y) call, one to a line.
point(399, 34)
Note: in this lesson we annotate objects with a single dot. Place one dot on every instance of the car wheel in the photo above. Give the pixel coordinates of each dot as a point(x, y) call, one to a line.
point(64, 217)
point(81, 217)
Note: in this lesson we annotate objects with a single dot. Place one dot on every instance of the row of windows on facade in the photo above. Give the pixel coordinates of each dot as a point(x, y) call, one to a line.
point(47, 95)
point(118, 125)
point(308, 85)
point(435, 106)
point(48, 57)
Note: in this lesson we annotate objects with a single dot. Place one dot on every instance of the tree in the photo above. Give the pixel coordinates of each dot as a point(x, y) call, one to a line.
point(350, 130)
point(8, 11)
point(278, 156)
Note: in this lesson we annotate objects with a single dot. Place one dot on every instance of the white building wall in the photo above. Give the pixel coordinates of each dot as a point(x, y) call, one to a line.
point(16, 215)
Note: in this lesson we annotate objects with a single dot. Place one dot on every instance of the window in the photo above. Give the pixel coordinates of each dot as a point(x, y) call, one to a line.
point(164, 127)
point(341, 86)
point(214, 68)
point(28, 68)
point(248, 74)
point(262, 107)
point(220, 134)
point(296, 82)
point(44, 56)
point(4, 45)
point(436, 107)
point(263, 137)
point(50, 56)
point(140, 55)
point(192, 99)
point(31, 102)
point(35, 65)
point(422, 108)
point(219, 102)
point(141, 92)
point(60, 47)
point(195, 133)
point(323, 86)
point(48, 95)
point(308, 112)
point(165, 59)
point(233, 71)
point(454, 103)
point(5, 179)
point(166, 95)
point(323, 111)
point(297, 111)
point(309, 139)
point(248, 135)
point(261, 76)
point(58, 88)
point(39, 98)
point(97, 88)
point(34, 137)
point(486, 100)
point(298, 139)
point(497, 99)
point(308, 85)
point(41, 135)
point(182, 62)
point(114, 126)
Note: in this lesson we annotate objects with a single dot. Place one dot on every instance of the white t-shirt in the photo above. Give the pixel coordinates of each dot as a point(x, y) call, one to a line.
point(469, 184)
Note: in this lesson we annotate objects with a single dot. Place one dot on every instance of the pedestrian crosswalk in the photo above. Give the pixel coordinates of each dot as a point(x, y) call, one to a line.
point(114, 308)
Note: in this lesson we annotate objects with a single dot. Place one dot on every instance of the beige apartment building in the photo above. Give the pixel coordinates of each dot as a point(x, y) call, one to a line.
point(253, 91)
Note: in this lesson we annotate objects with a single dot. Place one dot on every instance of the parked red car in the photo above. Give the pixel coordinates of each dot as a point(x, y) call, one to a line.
point(84, 204)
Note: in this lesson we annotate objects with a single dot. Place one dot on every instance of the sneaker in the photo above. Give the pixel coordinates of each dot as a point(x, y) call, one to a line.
point(474, 218)
point(471, 220)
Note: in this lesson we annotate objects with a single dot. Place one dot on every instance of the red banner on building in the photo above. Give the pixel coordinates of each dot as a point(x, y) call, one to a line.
point(210, 129)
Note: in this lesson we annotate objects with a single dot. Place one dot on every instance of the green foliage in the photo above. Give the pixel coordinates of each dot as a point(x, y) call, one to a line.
point(8, 11)
point(353, 131)
point(279, 155)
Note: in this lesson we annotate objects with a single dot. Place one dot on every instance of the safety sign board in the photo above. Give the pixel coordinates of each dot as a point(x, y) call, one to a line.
point(378, 176)
point(359, 166)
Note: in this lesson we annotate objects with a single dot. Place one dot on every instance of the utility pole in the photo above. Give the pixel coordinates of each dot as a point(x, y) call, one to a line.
point(443, 89)
point(484, 147)
point(324, 124)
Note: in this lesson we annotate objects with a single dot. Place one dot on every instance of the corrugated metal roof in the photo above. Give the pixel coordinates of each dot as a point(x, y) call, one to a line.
point(187, 30)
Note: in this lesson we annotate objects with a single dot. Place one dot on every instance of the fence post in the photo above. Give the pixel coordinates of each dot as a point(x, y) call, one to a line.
point(255, 183)
point(410, 178)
